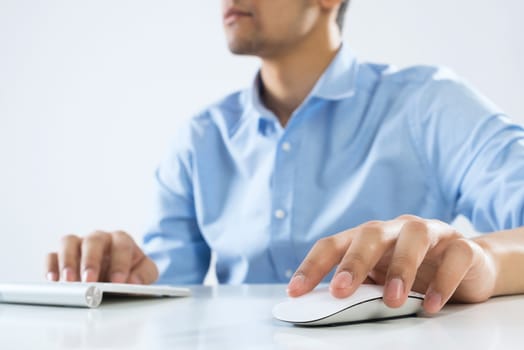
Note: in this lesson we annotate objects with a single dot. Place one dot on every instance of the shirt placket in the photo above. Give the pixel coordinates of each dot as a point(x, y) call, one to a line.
point(281, 246)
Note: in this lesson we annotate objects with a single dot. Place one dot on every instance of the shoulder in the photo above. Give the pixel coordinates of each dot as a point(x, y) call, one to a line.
point(202, 132)
point(211, 124)
point(433, 87)
point(219, 117)
point(414, 76)
point(427, 93)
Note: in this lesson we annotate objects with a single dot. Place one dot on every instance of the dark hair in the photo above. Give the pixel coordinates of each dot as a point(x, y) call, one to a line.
point(342, 13)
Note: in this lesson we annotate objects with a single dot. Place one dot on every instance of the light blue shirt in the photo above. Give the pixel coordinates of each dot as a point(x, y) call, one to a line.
point(370, 142)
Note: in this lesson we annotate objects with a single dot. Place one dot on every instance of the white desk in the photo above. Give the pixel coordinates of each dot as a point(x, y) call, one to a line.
point(239, 317)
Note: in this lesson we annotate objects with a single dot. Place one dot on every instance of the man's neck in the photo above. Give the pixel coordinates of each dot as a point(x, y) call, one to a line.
point(287, 79)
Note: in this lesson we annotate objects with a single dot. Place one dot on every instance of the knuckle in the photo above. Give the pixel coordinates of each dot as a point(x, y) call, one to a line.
point(372, 225)
point(416, 226)
point(371, 238)
point(121, 236)
point(408, 217)
point(96, 237)
point(326, 243)
point(463, 247)
point(69, 239)
point(372, 230)
point(455, 234)
point(98, 233)
point(122, 240)
point(419, 234)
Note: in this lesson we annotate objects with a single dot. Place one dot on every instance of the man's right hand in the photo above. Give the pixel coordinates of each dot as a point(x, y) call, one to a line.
point(101, 257)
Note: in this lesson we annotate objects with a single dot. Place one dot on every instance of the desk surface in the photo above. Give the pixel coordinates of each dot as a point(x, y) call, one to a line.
point(239, 317)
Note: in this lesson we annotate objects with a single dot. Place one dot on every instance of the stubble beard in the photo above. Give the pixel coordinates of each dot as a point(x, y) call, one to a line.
point(245, 46)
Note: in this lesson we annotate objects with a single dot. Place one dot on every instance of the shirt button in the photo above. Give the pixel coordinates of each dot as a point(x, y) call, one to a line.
point(289, 273)
point(286, 147)
point(280, 214)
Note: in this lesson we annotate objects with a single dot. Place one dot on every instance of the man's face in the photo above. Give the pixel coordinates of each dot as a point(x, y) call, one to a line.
point(267, 27)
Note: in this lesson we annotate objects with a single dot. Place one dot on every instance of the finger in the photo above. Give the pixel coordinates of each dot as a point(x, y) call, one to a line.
point(69, 257)
point(94, 248)
point(366, 249)
point(456, 261)
point(412, 245)
point(121, 257)
point(144, 272)
point(320, 260)
point(52, 267)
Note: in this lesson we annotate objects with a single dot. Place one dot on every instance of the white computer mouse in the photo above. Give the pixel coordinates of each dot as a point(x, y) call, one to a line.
point(319, 307)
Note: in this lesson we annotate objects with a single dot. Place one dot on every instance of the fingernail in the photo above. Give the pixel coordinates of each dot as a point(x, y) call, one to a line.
point(395, 289)
point(68, 275)
point(51, 276)
point(296, 282)
point(89, 275)
point(118, 277)
point(342, 280)
point(433, 301)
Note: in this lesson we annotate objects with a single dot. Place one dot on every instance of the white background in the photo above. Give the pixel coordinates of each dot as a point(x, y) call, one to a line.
point(91, 93)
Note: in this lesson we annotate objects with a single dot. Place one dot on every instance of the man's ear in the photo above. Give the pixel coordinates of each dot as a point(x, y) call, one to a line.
point(329, 4)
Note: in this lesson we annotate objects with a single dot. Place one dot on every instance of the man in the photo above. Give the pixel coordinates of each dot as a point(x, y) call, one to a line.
point(325, 149)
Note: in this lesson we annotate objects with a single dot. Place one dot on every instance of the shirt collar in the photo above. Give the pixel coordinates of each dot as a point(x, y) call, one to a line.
point(339, 79)
point(255, 107)
point(337, 82)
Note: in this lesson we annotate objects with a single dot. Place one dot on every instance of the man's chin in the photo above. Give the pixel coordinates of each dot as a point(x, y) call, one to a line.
point(241, 50)
point(243, 47)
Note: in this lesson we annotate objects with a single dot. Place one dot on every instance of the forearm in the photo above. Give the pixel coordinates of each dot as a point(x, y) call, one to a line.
point(507, 251)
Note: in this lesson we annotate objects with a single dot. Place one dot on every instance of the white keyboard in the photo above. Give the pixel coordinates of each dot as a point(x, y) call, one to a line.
point(80, 294)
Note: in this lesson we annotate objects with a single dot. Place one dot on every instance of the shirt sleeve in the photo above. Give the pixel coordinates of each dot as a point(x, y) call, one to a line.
point(475, 153)
point(174, 241)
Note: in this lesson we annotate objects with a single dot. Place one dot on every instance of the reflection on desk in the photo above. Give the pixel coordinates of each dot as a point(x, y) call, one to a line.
point(239, 317)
